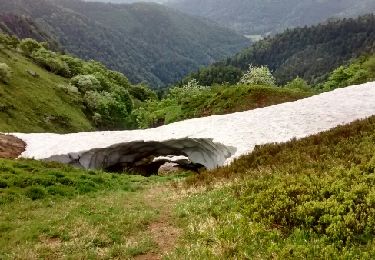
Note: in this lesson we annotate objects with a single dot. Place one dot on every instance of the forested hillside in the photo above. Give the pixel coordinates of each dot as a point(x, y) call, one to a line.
point(42, 90)
point(309, 52)
point(253, 17)
point(24, 27)
point(147, 42)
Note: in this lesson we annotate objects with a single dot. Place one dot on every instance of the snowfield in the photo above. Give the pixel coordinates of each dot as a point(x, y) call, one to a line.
point(211, 141)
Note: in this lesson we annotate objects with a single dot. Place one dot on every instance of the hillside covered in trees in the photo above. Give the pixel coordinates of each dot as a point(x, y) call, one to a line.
point(145, 41)
point(44, 90)
point(308, 52)
point(259, 17)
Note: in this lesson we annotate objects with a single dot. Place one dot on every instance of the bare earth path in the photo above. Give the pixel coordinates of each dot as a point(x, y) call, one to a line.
point(164, 230)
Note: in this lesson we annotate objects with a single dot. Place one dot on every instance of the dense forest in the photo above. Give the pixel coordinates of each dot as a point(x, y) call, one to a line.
point(308, 52)
point(147, 42)
point(259, 17)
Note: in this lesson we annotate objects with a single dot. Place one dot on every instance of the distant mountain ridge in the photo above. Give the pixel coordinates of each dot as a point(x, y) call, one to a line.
point(272, 16)
point(147, 42)
point(309, 52)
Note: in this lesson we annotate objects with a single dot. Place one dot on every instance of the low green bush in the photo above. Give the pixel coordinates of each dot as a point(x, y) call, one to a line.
point(312, 198)
point(35, 192)
point(5, 73)
point(38, 180)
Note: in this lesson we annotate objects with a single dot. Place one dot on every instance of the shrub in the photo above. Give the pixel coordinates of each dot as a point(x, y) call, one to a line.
point(191, 90)
point(110, 110)
point(85, 83)
point(359, 71)
point(258, 76)
point(339, 205)
point(5, 73)
point(35, 192)
point(28, 46)
point(51, 61)
point(298, 83)
point(142, 92)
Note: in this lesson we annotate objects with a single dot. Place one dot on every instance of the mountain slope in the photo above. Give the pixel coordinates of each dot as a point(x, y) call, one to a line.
point(261, 17)
point(36, 104)
point(309, 52)
point(147, 42)
point(23, 27)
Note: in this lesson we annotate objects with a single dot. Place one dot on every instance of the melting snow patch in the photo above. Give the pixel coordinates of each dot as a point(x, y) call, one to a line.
point(211, 141)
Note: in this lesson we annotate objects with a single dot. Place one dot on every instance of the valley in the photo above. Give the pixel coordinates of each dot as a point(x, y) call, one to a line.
point(147, 42)
point(139, 131)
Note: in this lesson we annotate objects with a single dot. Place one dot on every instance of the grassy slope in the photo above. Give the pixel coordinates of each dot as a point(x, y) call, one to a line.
point(311, 198)
point(224, 100)
point(36, 104)
point(48, 210)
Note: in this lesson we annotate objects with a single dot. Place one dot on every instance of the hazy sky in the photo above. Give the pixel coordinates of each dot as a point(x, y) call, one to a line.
point(129, 1)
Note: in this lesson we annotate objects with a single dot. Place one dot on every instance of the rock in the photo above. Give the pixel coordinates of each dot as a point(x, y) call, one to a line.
point(211, 141)
point(169, 168)
point(11, 147)
point(32, 73)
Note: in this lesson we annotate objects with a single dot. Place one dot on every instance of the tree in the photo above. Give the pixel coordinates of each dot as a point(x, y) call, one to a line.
point(258, 76)
point(5, 73)
point(298, 83)
point(28, 46)
point(85, 83)
point(51, 61)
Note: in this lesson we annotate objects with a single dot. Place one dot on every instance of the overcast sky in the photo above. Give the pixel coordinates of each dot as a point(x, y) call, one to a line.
point(128, 1)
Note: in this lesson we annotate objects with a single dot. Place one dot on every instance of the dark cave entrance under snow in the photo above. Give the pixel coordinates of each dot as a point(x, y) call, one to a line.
point(146, 157)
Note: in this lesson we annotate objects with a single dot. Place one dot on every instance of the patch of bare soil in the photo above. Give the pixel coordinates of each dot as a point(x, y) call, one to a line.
point(164, 231)
point(11, 147)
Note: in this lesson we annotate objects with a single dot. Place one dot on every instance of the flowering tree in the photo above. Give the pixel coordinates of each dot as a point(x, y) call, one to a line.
point(258, 76)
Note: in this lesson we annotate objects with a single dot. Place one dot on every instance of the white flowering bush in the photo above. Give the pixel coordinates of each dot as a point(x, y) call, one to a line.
point(258, 76)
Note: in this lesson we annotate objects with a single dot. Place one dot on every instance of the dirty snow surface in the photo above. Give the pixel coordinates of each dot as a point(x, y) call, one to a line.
point(211, 141)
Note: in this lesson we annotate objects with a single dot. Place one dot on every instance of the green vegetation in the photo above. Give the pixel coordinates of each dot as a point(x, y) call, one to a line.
point(52, 210)
point(311, 198)
point(32, 101)
point(258, 76)
point(50, 91)
point(24, 27)
point(357, 72)
point(309, 53)
point(24, 180)
point(258, 17)
point(147, 42)
point(85, 95)
point(5, 73)
point(192, 100)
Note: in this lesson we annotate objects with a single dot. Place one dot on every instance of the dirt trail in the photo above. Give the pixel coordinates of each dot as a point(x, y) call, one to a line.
point(163, 231)
point(11, 147)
